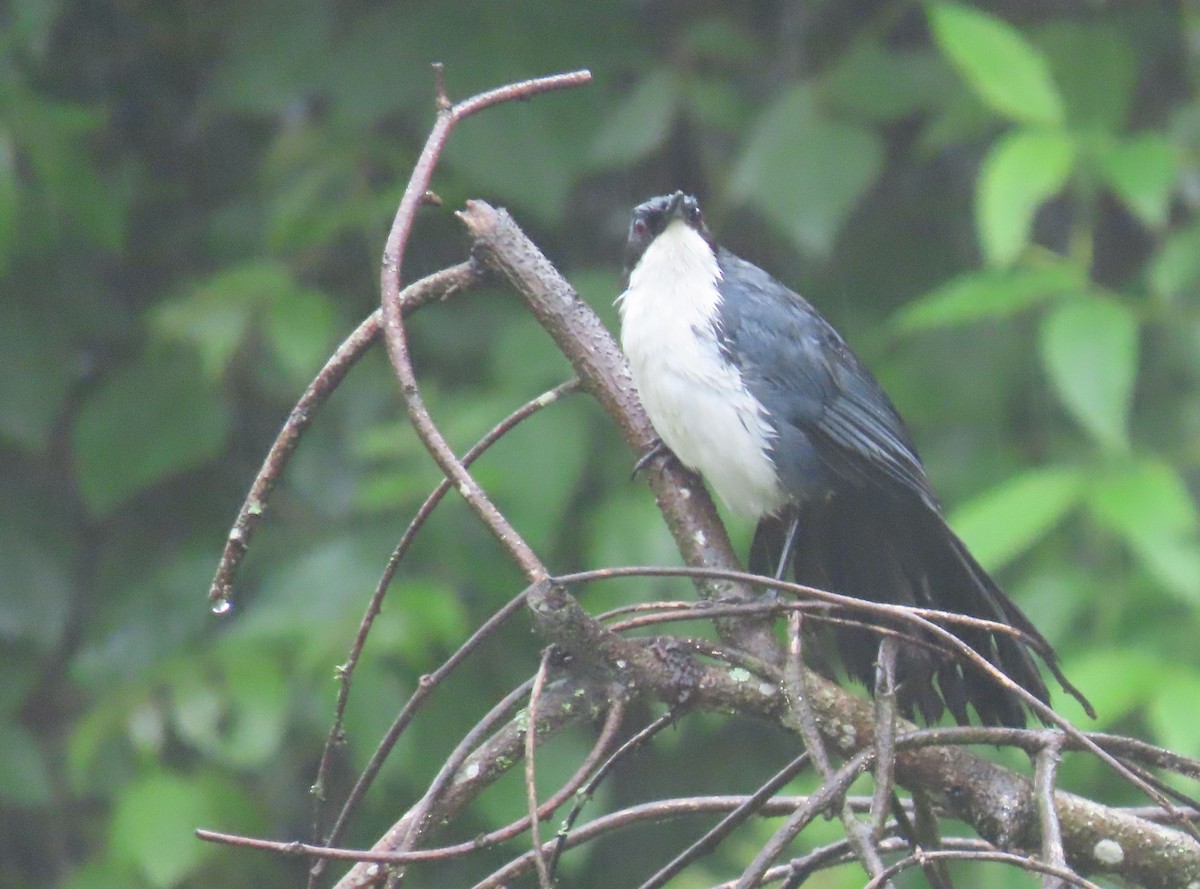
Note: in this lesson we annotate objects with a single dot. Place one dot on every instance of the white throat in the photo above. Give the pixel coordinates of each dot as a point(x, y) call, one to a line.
point(694, 396)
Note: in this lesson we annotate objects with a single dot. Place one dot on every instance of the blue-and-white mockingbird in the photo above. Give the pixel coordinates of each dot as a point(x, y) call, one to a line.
point(753, 389)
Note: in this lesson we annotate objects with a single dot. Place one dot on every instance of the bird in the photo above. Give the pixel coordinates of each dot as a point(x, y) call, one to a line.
point(749, 386)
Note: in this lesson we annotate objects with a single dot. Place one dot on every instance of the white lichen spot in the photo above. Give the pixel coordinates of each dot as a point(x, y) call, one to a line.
point(472, 771)
point(546, 398)
point(739, 674)
point(767, 688)
point(465, 490)
point(373, 869)
point(848, 734)
point(685, 493)
point(620, 665)
point(236, 534)
point(1108, 852)
point(701, 539)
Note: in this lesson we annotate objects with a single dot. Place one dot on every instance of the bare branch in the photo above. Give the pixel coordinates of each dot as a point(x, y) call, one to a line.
point(531, 797)
point(1043, 784)
point(437, 286)
point(1019, 861)
point(393, 316)
point(635, 742)
point(583, 339)
point(759, 803)
point(566, 702)
point(429, 682)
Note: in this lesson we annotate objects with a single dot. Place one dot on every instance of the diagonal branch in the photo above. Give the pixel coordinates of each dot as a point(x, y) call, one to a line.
point(585, 341)
point(999, 803)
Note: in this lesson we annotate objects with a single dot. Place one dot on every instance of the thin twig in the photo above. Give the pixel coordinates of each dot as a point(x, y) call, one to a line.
point(1044, 779)
point(346, 355)
point(418, 823)
point(885, 735)
point(604, 743)
point(657, 810)
point(859, 835)
point(430, 681)
point(635, 742)
point(1020, 861)
point(798, 870)
point(393, 318)
point(829, 794)
point(438, 285)
point(425, 687)
point(531, 795)
point(920, 620)
point(714, 836)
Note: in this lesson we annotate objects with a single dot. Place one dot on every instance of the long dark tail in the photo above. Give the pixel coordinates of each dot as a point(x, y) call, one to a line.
point(903, 553)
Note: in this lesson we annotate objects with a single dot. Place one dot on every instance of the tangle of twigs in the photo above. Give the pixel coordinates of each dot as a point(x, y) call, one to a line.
point(598, 666)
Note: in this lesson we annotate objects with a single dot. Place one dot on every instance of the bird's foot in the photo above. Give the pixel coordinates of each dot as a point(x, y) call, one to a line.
point(658, 449)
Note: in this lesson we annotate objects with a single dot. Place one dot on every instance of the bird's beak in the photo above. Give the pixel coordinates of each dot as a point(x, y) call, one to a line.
point(675, 208)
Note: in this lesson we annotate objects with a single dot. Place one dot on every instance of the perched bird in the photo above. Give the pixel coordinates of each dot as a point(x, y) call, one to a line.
point(753, 389)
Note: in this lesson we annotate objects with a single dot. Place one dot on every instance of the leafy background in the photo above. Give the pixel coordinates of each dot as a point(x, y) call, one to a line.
point(996, 202)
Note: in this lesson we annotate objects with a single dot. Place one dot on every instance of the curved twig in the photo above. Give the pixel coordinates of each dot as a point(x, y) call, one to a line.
point(448, 117)
point(430, 681)
point(531, 797)
point(1020, 861)
point(250, 516)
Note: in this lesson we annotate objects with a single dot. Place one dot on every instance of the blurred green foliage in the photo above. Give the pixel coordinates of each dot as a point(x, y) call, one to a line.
point(996, 202)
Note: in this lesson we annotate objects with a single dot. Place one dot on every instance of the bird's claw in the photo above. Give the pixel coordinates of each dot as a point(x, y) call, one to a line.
point(658, 449)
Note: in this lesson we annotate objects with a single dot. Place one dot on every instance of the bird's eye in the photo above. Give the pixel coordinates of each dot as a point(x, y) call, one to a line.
point(639, 227)
point(693, 214)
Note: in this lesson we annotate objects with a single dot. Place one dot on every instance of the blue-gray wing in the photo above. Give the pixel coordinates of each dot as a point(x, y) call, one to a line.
point(835, 424)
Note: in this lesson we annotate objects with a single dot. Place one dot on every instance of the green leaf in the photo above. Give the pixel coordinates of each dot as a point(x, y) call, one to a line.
point(24, 780)
point(639, 123)
point(150, 419)
point(1090, 351)
point(1022, 170)
point(153, 826)
point(43, 366)
point(39, 552)
point(719, 40)
point(989, 293)
point(527, 153)
point(317, 595)
point(713, 102)
point(805, 172)
point(218, 314)
point(1173, 713)
point(882, 84)
point(996, 61)
point(124, 639)
point(1000, 524)
point(1115, 680)
point(1142, 171)
point(1148, 505)
point(241, 721)
point(1175, 269)
point(301, 330)
point(1095, 69)
point(32, 23)
point(100, 873)
point(314, 201)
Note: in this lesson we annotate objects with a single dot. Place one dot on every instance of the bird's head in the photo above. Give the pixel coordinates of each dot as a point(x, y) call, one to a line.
point(676, 215)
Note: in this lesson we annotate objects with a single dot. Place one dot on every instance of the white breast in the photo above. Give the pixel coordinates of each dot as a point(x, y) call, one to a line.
point(694, 397)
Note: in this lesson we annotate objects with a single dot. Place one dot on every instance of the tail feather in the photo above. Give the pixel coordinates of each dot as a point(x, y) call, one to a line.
point(903, 553)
